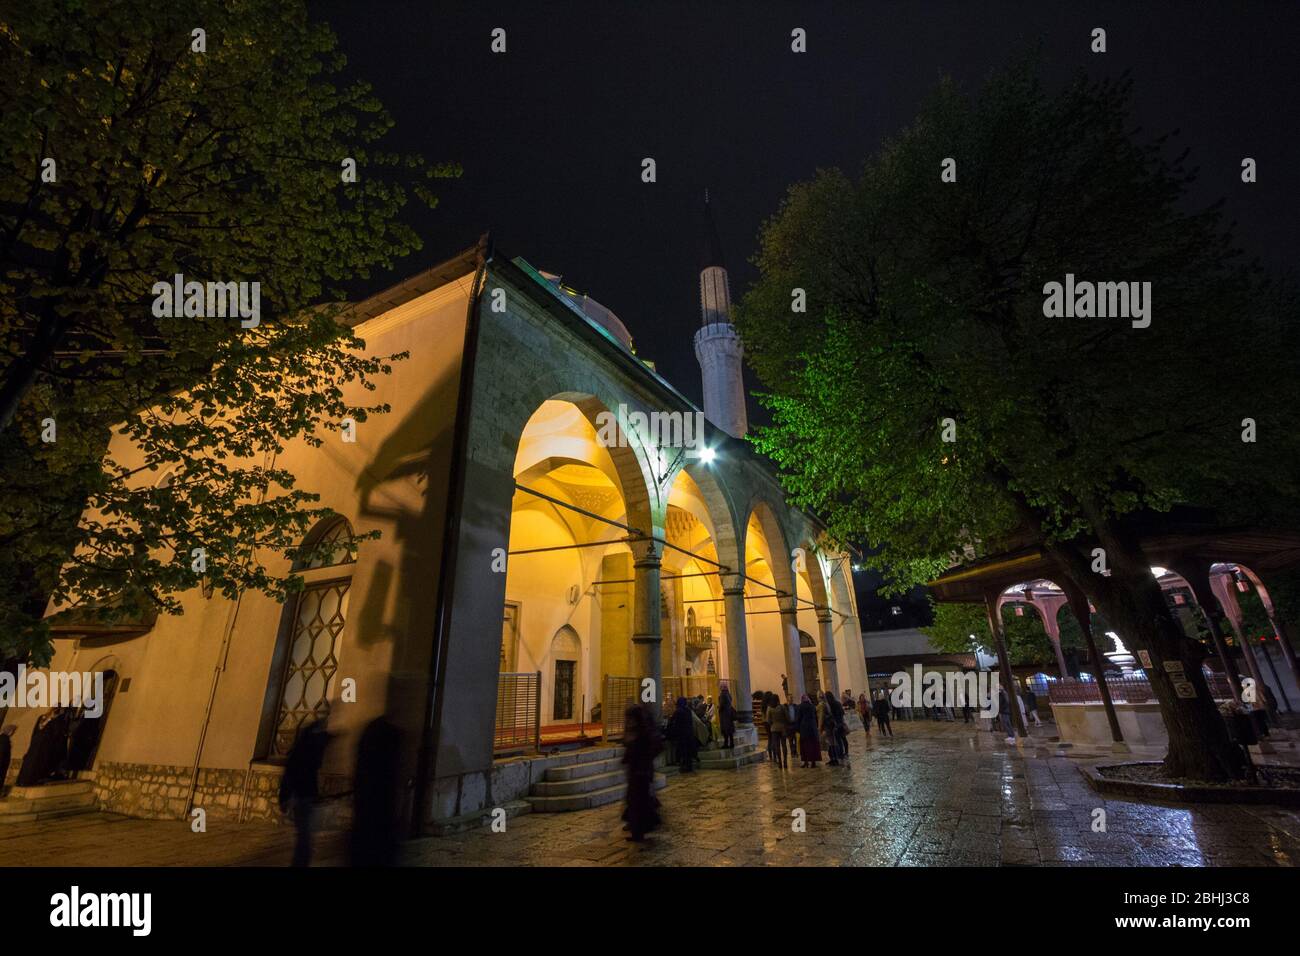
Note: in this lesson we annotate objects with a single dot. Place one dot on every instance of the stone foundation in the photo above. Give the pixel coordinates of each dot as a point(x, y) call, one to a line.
point(160, 791)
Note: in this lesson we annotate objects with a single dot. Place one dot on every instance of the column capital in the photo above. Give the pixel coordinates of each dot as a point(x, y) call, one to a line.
point(732, 582)
point(645, 555)
point(788, 604)
point(824, 616)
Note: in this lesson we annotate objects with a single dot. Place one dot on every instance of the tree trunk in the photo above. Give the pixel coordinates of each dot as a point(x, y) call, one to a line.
point(1131, 600)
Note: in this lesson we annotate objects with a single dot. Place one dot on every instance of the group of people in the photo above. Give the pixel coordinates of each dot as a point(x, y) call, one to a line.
point(63, 743)
point(809, 729)
point(690, 727)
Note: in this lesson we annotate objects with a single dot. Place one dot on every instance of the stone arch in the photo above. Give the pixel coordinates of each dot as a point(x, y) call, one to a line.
point(629, 456)
point(728, 532)
point(814, 574)
point(853, 659)
point(764, 513)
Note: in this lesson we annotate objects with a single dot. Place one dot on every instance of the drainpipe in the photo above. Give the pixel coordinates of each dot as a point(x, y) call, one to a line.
point(427, 760)
point(222, 658)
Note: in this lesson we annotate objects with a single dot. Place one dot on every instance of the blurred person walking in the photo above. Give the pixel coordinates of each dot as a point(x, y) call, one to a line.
point(641, 744)
point(375, 784)
point(300, 785)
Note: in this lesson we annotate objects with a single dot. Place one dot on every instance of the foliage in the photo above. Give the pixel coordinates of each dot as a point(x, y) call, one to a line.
point(933, 412)
point(221, 165)
point(1027, 640)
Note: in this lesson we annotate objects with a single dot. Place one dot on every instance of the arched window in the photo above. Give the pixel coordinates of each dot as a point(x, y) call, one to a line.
point(332, 537)
point(319, 613)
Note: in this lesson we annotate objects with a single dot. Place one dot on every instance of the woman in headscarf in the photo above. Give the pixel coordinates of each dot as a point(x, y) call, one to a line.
point(727, 719)
point(681, 731)
point(641, 744)
point(777, 724)
point(810, 751)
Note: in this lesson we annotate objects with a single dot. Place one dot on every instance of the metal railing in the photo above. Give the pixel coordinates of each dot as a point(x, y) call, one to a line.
point(519, 712)
point(699, 637)
point(1128, 690)
point(622, 692)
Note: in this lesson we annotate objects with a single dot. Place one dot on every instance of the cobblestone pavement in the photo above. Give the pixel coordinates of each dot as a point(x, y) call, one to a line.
point(936, 795)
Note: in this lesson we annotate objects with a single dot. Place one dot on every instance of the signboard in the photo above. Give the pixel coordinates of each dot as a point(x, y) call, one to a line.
point(1173, 667)
point(1184, 688)
point(1145, 658)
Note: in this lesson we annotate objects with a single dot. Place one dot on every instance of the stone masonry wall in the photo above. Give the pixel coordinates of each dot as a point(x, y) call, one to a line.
point(158, 792)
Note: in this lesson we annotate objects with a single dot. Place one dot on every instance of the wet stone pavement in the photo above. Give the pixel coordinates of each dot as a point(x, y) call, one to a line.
point(938, 794)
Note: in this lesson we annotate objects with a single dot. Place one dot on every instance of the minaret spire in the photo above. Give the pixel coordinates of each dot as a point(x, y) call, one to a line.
point(717, 344)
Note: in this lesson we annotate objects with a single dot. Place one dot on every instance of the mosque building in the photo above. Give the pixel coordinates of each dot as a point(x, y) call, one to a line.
point(560, 530)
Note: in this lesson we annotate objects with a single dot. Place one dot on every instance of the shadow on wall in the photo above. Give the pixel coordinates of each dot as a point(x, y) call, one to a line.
point(418, 451)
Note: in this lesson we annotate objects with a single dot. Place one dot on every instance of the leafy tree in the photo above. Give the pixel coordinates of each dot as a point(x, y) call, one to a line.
point(139, 141)
point(926, 313)
point(1027, 640)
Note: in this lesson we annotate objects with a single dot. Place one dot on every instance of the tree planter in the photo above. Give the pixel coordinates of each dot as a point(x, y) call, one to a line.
point(1115, 786)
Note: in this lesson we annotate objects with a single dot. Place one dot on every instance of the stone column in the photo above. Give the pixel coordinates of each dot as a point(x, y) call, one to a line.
point(790, 638)
point(646, 659)
point(1222, 586)
point(1047, 608)
point(993, 608)
point(1083, 614)
point(1197, 575)
point(830, 675)
point(1279, 627)
point(733, 598)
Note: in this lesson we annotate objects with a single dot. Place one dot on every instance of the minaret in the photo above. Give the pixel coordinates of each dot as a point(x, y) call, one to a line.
point(717, 344)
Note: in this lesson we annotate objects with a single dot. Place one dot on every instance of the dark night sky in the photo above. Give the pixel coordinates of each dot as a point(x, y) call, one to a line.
point(552, 133)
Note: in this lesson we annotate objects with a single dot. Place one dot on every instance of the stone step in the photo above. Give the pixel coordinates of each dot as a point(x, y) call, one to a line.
point(590, 754)
point(53, 789)
point(73, 796)
point(585, 801)
point(560, 788)
point(578, 771)
point(723, 753)
point(735, 760)
point(37, 816)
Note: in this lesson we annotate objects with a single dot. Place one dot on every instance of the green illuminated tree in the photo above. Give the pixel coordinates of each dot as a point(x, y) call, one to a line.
point(1027, 641)
point(926, 322)
point(140, 140)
